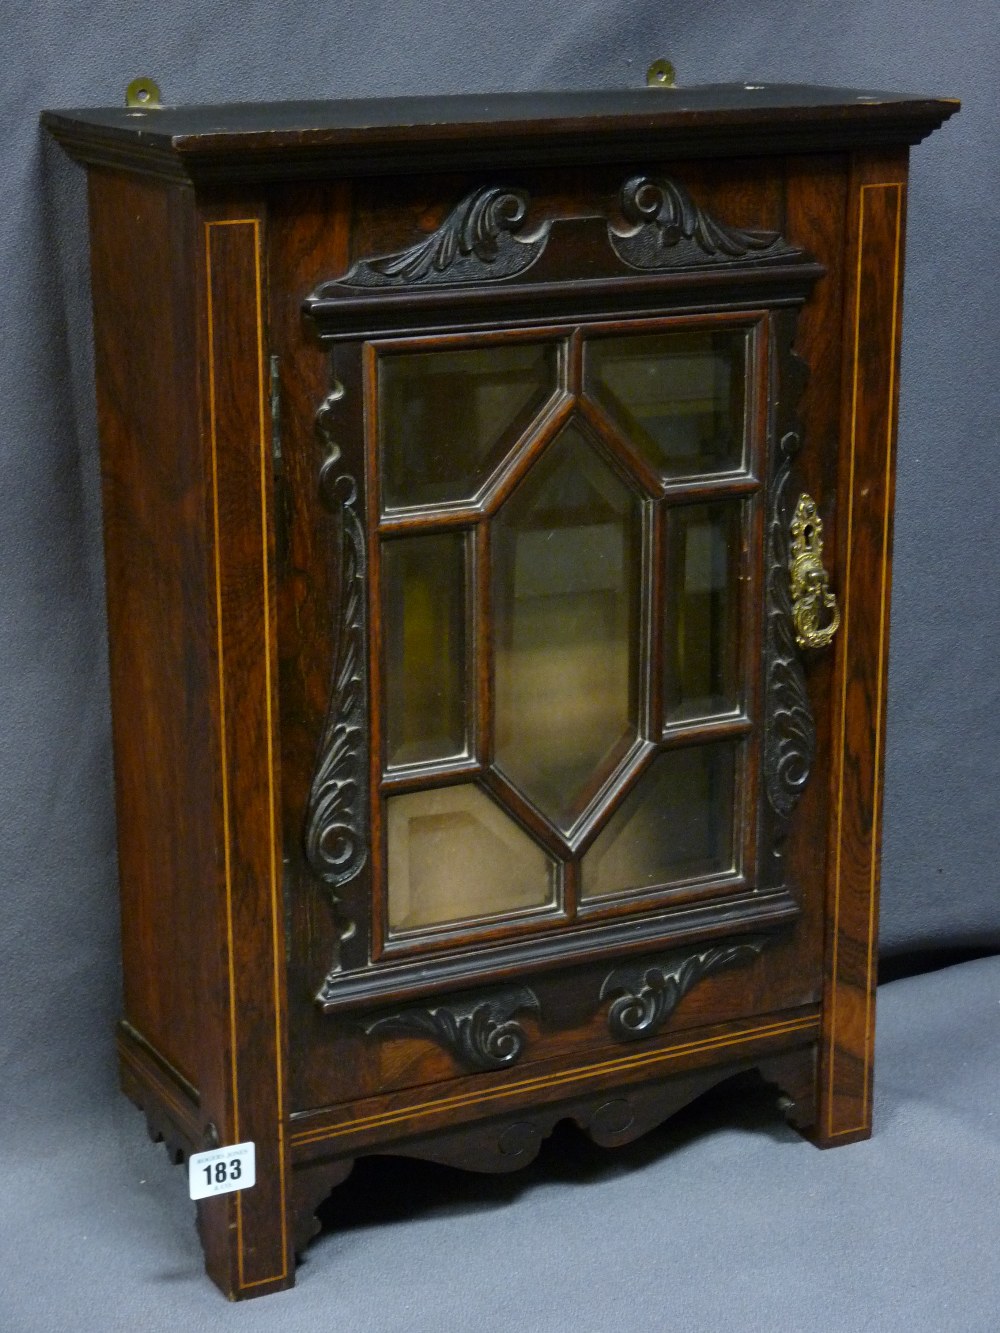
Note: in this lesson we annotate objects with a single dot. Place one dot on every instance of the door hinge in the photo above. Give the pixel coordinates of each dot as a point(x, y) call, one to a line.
point(277, 460)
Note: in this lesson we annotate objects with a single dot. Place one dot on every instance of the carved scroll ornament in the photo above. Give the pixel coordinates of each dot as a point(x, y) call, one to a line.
point(673, 231)
point(475, 242)
point(645, 994)
point(789, 731)
point(336, 841)
point(479, 1029)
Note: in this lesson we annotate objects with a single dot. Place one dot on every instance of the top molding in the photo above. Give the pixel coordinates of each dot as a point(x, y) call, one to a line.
point(265, 141)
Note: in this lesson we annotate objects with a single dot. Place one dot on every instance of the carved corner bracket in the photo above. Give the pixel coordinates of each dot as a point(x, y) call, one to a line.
point(645, 994)
point(336, 834)
point(478, 1029)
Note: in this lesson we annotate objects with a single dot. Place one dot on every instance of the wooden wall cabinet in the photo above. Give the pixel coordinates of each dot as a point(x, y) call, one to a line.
point(498, 504)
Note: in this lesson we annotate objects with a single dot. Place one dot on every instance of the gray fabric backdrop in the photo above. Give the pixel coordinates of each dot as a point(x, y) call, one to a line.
point(58, 963)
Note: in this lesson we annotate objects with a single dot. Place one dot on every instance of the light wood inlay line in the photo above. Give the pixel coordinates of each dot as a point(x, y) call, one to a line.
point(263, 450)
point(882, 666)
point(223, 743)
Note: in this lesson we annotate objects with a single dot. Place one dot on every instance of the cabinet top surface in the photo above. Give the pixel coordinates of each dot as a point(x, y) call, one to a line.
point(262, 140)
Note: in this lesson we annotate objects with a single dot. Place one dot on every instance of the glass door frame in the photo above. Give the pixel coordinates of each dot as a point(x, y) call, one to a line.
point(744, 727)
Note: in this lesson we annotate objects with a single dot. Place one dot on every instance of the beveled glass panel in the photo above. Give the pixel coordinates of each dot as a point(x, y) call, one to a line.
point(566, 591)
point(679, 398)
point(676, 824)
point(446, 418)
point(702, 616)
point(424, 655)
point(455, 856)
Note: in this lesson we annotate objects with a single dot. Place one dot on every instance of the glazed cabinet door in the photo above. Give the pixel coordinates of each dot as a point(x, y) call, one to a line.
point(550, 580)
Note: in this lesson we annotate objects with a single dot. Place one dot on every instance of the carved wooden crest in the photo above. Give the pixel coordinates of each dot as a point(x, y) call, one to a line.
point(480, 242)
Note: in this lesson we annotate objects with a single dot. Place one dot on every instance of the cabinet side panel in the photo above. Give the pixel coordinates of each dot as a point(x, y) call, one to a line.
point(142, 239)
point(872, 324)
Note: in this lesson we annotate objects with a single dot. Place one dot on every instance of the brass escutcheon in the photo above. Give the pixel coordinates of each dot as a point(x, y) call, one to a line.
point(812, 600)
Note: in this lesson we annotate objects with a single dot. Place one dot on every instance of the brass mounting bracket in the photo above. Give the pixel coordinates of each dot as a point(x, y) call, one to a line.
point(143, 94)
point(661, 74)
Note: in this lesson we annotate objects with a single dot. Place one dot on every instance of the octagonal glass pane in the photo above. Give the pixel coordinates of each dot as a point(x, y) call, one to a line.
point(447, 418)
point(677, 823)
point(678, 398)
point(454, 855)
point(566, 596)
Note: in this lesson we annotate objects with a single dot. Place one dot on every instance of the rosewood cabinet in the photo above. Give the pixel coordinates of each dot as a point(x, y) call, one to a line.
point(498, 504)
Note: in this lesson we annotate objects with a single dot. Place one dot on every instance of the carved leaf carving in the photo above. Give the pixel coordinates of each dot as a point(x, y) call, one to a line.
point(790, 732)
point(672, 231)
point(479, 1029)
point(648, 993)
point(336, 826)
point(479, 243)
point(474, 242)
